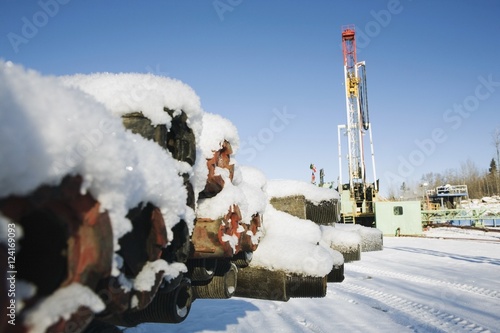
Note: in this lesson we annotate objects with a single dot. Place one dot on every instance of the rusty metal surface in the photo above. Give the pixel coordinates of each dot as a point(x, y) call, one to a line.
point(77, 322)
point(144, 243)
point(145, 297)
point(205, 238)
point(221, 158)
point(208, 235)
point(246, 242)
point(66, 217)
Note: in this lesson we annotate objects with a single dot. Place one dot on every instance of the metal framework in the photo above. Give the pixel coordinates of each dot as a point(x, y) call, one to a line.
point(443, 206)
point(360, 199)
point(480, 215)
point(449, 190)
point(356, 107)
point(354, 135)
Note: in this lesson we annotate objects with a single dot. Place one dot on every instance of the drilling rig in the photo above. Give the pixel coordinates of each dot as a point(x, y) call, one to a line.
point(357, 197)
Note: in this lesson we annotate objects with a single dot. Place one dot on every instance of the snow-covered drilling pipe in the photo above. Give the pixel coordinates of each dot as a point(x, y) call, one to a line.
point(135, 209)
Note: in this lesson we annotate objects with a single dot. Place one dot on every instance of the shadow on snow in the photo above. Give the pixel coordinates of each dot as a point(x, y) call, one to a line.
point(456, 256)
point(219, 312)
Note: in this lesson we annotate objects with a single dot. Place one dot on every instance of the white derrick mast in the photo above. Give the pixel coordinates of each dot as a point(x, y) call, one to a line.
point(357, 196)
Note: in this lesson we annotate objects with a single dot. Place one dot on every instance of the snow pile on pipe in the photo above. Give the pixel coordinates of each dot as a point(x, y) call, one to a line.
point(149, 94)
point(133, 92)
point(292, 245)
point(49, 131)
point(215, 131)
point(62, 304)
point(371, 238)
point(342, 240)
point(284, 188)
point(146, 277)
point(253, 176)
point(252, 182)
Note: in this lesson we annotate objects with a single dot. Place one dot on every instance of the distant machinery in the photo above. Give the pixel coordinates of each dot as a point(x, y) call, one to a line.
point(447, 196)
point(450, 205)
point(357, 197)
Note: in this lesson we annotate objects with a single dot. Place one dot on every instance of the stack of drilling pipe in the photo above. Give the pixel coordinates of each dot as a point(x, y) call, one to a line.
point(68, 242)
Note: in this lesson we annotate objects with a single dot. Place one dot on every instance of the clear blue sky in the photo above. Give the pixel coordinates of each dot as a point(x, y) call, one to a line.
point(274, 68)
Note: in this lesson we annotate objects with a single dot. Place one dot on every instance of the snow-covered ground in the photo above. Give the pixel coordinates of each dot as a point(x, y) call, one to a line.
point(413, 285)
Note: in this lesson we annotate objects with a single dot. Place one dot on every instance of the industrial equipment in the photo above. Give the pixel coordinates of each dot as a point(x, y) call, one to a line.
point(357, 197)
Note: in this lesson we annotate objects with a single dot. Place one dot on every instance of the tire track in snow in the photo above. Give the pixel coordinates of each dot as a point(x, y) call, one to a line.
point(309, 326)
point(422, 279)
point(422, 313)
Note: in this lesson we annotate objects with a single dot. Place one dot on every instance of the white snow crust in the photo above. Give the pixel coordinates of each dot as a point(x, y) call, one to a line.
point(371, 238)
point(293, 245)
point(146, 277)
point(216, 129)
point(133, 92)
point(252, 182)
point(344, 240)
point(62, 304)
point(279, 188)
point(220, 204)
